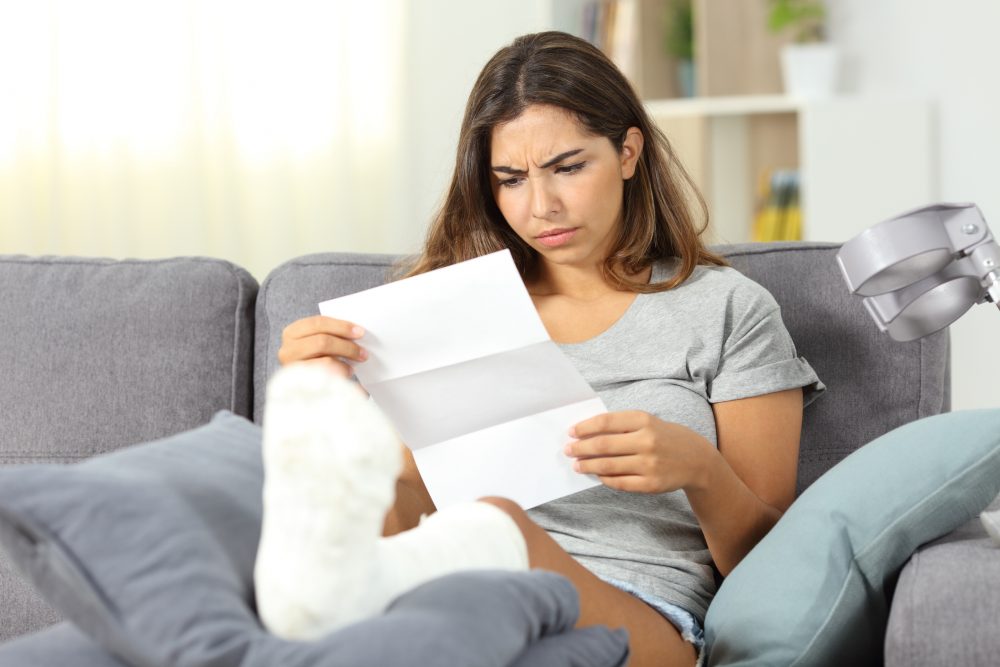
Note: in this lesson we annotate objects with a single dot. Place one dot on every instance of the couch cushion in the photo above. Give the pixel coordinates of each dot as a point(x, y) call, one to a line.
point(22, 609)
point(815, 591)
point(947, 602)
point(295, 289)
point(150, 551)
point(96, 354)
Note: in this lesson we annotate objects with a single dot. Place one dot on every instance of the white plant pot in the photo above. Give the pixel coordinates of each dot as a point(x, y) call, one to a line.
point(810, 70)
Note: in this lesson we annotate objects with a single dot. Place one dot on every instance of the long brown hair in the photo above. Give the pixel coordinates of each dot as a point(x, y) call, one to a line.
point(557, 69)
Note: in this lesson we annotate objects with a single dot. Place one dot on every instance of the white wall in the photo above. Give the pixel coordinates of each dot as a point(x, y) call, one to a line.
point(947, 51)
point(448, 42)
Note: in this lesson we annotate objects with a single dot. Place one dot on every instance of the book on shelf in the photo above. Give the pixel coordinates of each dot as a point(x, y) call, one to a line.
point(779, 215)
point(613, 26)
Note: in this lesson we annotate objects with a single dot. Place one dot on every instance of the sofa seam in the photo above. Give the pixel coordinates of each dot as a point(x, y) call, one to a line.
point(920, 384)
point(110, 261)
point(233, 272)
point(48, 457)
point(770, 251)
point(911, 620)
point(236, 338)
point(262, 326)
point(268, 352)
point(299, 263)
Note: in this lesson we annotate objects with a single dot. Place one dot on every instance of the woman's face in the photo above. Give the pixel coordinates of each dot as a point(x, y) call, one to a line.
point(559, 187)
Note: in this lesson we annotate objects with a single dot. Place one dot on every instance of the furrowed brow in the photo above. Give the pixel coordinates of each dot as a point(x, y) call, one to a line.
point(508, 170)
point(503, 169)
point(562, 156)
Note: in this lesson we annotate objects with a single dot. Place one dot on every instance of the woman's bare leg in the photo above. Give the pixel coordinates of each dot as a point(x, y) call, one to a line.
point(653, 640)
point(412, 499)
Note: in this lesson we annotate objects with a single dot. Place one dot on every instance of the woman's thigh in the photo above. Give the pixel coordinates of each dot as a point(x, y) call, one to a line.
point(412, 499)
point(653, 640)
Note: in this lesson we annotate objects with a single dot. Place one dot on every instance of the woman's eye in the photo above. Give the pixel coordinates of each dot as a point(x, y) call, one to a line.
point(511, 182)
point(570, 168)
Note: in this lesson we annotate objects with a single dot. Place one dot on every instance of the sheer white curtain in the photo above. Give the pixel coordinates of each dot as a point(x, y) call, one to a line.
point(250, 130)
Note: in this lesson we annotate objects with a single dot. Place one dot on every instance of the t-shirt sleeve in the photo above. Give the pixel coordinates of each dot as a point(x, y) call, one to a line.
point(758, 355)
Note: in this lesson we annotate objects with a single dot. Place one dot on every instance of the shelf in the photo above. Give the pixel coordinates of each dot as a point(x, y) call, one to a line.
point(749, 105)
point(861, 159)
point(733, 105)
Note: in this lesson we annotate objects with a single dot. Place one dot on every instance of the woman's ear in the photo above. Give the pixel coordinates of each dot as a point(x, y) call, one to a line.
point(630, 152)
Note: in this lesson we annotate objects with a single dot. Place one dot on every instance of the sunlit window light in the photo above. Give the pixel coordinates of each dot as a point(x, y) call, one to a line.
point(131, 126)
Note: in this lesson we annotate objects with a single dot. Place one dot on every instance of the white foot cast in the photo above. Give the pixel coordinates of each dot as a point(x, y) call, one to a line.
point(331, 462)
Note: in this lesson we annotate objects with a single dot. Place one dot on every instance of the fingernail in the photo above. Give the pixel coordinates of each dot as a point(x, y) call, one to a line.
point(358, 331)
point(568, 449)
point(576, 465)
point(363, 354)
point(572, 431)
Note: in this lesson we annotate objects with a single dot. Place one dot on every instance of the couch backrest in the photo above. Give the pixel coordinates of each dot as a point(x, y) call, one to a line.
point(295, 289)
point(97, 354)
point(874, 384)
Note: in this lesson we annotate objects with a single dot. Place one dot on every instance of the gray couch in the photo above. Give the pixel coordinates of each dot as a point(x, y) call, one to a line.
point(99, 354)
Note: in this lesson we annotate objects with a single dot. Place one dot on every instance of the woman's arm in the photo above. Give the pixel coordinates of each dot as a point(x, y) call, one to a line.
point(413, 501)
point(738, 491)
point(750, 482)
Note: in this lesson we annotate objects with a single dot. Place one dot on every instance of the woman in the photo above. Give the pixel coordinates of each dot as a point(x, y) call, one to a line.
point(558, 162)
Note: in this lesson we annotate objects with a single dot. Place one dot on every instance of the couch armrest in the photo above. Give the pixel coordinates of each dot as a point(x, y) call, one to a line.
point(947, 602)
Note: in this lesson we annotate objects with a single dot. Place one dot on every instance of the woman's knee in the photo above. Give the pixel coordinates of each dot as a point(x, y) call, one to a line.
point(506, 504)
point(510, 508)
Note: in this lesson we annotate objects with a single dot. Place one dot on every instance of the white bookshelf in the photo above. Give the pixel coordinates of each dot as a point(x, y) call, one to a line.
point(735, 105)
point(861, 160)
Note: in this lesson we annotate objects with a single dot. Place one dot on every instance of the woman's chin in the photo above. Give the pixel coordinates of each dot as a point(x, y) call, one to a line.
point(569, 256)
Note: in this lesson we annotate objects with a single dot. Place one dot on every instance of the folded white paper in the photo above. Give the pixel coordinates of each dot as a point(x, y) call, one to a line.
point(462, 366)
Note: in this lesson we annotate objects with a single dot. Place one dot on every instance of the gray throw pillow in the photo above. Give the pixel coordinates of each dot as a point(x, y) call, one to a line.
point(61, 645)
point(149, 551)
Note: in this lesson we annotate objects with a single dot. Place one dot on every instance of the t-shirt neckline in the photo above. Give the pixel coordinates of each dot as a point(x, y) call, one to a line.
point(638, 304)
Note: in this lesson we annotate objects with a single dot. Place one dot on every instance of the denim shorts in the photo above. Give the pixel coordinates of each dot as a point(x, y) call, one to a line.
point(685, 622)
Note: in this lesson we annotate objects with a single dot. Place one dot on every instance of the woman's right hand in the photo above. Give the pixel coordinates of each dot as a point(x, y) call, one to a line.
point(320, 339)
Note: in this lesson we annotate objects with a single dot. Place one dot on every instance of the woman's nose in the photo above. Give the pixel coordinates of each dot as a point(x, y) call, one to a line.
point(544, 202)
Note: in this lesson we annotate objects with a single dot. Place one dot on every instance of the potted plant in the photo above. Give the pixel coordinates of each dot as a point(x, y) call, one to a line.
point(808, 63)
point(679, 43)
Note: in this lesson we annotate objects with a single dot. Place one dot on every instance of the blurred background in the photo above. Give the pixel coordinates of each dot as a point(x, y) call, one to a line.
point(257, 131)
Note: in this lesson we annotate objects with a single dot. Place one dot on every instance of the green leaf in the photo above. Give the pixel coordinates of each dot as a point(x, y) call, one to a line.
point(804, 18)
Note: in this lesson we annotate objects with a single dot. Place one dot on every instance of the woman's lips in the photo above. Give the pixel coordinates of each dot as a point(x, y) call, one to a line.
point(557, 237)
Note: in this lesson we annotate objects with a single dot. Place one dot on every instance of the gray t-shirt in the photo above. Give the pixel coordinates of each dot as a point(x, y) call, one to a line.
point(716, 337)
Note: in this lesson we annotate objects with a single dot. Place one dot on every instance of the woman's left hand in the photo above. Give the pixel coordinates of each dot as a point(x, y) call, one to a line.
point(635, 451)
